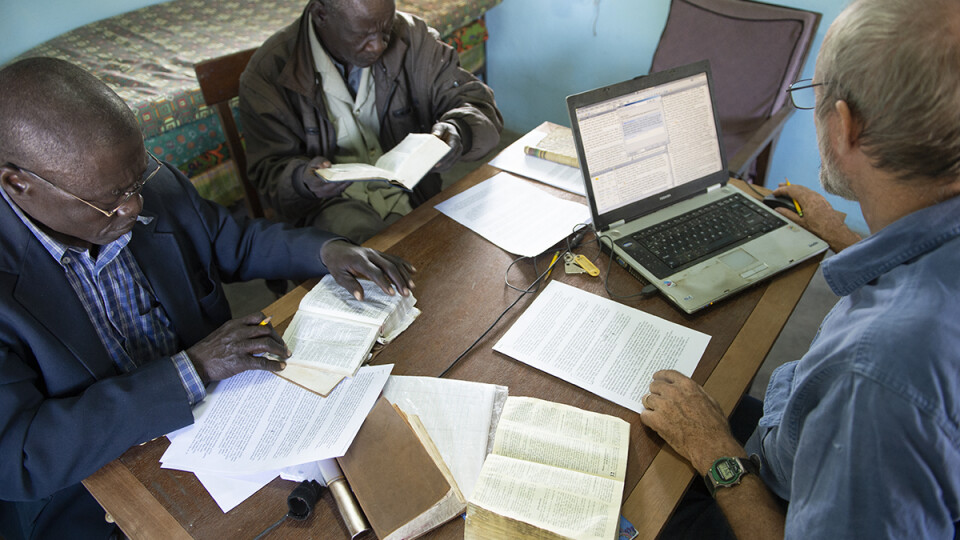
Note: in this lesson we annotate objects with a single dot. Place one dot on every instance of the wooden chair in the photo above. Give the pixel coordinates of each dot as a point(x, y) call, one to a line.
point(756, 50)
point(219, 83)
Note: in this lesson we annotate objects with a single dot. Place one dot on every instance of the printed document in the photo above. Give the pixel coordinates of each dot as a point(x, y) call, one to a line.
point(600, 345)
point(514, 159)
point(255, 422)
point(515, 215)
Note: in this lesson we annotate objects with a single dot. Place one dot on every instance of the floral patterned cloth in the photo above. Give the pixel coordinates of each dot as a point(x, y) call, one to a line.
point(147, 57)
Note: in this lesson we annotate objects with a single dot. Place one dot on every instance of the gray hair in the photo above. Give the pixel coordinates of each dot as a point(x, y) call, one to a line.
point(897, 64)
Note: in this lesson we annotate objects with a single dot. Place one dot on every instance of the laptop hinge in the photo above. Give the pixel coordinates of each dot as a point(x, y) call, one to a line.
point(616, 224)
point(713, 187)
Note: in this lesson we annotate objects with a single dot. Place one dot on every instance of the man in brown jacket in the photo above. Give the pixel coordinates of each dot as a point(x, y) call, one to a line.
point(346, 83)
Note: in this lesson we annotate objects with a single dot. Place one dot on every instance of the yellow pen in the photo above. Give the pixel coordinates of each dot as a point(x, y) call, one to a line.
point(555, 256)
point(795, 203)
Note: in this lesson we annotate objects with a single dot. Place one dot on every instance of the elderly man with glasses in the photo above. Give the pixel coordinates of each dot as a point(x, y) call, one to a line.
point(112, 312)
point(860, 438)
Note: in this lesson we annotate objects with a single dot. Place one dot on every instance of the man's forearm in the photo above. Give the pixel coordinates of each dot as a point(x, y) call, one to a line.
point(751, 510)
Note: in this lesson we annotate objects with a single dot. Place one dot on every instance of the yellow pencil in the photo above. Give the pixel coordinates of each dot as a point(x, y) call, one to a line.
point(795, 203)
point(555, 256)
point(266, 321)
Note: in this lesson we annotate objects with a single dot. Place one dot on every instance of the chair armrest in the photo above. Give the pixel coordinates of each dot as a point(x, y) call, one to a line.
point(765, 134)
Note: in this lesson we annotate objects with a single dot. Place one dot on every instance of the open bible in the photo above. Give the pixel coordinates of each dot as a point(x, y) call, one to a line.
point(333, 333)
point(556, 472)
point(405, 165)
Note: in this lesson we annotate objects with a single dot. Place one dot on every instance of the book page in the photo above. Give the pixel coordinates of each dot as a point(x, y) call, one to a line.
point(600, 345)
point(457, 415)
point(255, 422)
point(329, 298)
point(572, 504)
point(413, 158)
point(327, 344)
point(354, 172)
point(563, 436)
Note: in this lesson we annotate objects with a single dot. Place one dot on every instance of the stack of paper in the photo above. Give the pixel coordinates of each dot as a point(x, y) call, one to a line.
point(253, 425)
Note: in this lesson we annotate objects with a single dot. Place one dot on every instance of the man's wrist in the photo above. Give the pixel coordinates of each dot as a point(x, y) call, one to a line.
point(728, 471)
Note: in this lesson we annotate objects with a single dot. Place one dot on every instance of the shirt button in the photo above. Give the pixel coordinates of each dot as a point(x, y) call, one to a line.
point(66, 260)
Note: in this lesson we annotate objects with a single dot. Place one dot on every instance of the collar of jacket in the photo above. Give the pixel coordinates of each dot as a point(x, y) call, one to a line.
point(299, 75)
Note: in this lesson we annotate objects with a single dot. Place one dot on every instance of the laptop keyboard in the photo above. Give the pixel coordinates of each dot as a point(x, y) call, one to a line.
point(682, 241)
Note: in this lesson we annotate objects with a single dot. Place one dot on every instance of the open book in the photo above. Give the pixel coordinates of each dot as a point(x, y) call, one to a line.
point(333, 333)
point(398, 476)
point(556, 146)
point(405, 165)
point(556, 472)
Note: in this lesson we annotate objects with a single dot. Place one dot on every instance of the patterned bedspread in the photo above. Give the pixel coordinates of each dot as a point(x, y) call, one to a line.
point(147, 57)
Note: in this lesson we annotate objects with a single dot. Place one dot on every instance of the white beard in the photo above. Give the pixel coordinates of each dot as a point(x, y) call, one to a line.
point(831, 178)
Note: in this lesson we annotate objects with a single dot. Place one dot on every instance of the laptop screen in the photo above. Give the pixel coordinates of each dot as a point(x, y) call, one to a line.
point(648, 142)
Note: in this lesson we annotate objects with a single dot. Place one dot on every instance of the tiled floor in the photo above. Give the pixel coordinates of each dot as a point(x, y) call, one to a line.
point(802, 326)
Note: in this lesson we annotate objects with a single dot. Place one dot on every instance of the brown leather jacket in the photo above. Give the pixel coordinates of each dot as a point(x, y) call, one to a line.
point(418, 81)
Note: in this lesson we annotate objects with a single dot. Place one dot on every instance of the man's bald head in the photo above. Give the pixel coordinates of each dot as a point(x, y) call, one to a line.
point(52, 112)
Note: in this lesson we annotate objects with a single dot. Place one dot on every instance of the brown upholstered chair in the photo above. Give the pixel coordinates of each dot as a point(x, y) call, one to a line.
point(756, 51)
point(219, 83)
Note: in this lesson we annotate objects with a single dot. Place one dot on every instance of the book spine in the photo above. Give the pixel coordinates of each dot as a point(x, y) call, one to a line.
point(569, 161)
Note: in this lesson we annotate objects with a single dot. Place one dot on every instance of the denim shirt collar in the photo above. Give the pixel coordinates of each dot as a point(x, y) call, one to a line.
point(903, 240)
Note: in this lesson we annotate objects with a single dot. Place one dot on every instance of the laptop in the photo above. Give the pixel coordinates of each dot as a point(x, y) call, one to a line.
point(656, 180)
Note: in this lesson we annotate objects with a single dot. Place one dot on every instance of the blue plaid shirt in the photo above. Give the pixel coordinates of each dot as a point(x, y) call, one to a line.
point(130, 322)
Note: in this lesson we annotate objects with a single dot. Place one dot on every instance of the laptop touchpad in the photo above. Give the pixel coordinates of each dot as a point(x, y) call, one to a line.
point(742, 262)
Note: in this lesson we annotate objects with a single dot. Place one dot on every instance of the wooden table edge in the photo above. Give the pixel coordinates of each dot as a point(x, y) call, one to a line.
point(662, 485)
point(114, 486)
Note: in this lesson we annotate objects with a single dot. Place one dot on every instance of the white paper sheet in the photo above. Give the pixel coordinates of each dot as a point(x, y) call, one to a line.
point(515, 215)
point(457, 415)
point(600, 345)
point(257, 422)
point(514, 159)
point(229, 491)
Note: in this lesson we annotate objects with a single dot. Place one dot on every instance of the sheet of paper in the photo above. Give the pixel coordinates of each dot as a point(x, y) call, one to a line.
point(515, 215)
point(514, 159)
point(600, 345)
point(456, 414)
point(229, 491)
point(257, 422)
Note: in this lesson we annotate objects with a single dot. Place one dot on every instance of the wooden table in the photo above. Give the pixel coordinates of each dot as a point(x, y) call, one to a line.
point(461, 291)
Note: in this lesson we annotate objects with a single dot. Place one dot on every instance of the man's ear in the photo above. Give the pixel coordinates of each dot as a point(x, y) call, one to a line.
point(848, 134)
point(318, 10)
point(13, 181)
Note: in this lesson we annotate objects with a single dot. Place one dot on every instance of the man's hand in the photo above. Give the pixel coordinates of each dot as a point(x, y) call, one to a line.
point(818, 217)
point(238, 345)
point(689, 420)
point(347, 262)
point(448, 133)
point(320, 188)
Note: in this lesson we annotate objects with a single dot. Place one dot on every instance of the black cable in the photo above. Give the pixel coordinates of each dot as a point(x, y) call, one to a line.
point(572, 242)
point(647, 289)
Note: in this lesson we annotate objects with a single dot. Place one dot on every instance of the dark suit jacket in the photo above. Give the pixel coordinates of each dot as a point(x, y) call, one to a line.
point(65, 409)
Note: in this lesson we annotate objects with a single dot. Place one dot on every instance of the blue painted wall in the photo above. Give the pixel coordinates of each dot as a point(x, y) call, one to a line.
point(28, 23)
point(541, 51)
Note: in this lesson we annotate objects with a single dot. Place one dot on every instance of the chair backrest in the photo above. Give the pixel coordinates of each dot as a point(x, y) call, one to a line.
point(219, 83)
point(756, 51)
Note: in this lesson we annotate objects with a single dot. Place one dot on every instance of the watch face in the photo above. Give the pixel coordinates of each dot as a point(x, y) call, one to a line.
point(727, 470)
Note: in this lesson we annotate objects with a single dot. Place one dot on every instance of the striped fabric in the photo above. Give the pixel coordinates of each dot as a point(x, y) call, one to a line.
point(130, 322)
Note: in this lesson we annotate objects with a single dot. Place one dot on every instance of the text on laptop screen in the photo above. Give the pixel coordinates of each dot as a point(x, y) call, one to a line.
point(647, 142)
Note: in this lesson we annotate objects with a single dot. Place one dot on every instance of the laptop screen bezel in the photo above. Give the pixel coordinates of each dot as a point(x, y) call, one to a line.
point(666, 198)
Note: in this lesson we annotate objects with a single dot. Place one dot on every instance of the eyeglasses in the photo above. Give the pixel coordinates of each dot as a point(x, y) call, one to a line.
point(125, 196)
point(802, 94)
